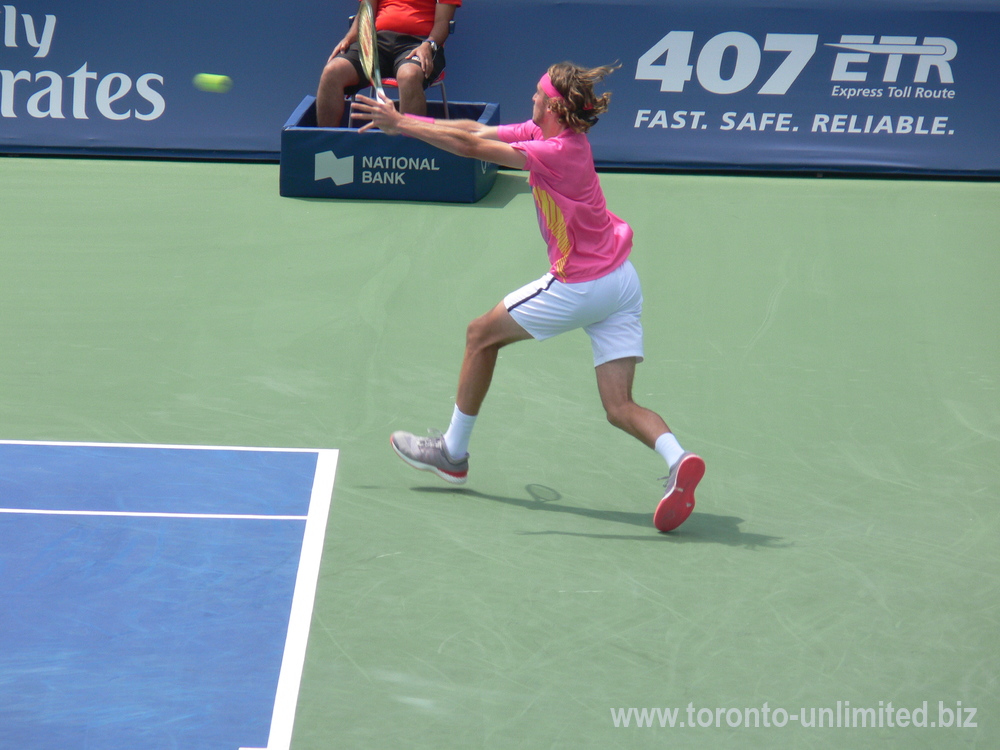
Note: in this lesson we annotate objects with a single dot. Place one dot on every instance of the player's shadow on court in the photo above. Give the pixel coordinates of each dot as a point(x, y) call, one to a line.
point(507, 187)
point(700, 527)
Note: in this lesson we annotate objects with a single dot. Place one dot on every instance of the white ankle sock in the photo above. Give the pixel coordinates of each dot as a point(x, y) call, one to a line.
point(457, 437)
point(668, 447)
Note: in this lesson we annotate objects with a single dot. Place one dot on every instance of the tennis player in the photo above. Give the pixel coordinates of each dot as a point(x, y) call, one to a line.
point(591, 283)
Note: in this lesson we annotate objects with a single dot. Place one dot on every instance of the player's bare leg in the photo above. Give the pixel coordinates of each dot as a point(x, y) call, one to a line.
point(484, 338)
point(445, 454)
point(614, 382)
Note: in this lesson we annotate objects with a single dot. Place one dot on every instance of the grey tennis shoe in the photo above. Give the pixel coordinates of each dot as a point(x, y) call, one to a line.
point(430, 454)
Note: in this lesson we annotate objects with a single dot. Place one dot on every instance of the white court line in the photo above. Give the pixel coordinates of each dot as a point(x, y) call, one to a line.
point(293, 660)
point(64, 444)
point(304, 595)
point(129, 514)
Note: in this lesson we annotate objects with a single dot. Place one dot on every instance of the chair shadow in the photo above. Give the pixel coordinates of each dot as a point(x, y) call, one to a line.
point(699, 528)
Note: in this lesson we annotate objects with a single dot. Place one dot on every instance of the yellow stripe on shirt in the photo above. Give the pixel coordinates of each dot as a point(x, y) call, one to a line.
point(556, 223)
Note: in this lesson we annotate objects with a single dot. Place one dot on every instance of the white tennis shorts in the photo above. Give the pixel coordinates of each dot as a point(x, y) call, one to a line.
point(609, 309)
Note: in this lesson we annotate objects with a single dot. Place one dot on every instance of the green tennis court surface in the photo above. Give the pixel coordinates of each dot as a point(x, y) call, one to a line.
point(829, 346)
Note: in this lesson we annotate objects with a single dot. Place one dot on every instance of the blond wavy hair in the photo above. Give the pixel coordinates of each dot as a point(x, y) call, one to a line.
point(580, 106)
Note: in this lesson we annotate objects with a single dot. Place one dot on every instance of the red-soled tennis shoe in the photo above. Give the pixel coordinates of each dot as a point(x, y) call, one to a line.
point(430, 454)
point(678, 501)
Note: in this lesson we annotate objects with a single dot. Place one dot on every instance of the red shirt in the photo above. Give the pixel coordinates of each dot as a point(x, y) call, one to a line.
point(414, 17)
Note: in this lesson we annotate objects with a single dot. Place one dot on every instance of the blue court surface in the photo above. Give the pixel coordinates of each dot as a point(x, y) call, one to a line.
point(156, 596)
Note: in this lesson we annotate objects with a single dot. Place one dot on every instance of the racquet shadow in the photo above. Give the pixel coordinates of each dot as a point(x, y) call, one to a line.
point(699, 528)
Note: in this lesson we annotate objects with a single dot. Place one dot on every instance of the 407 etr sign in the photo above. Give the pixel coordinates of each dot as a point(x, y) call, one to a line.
point(732, 61)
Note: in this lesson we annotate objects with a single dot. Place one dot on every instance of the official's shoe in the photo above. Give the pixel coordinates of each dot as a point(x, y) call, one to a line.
point(678, 500)
point(430, 454)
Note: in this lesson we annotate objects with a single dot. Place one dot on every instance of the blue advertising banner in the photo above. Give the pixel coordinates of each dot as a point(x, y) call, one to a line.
point(116, 76)
point(880, 86)
point(892, 86)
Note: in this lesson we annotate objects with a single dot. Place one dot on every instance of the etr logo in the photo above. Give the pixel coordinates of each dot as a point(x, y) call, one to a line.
point(936, 52)
point(669, 60)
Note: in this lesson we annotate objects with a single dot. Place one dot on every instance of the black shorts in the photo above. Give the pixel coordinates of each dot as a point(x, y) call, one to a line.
point(393, 51)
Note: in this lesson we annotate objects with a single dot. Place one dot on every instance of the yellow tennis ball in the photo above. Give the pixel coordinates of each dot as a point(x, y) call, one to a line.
point(216, 84)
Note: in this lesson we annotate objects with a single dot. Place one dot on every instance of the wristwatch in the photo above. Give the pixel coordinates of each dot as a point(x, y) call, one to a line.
point(434, 45)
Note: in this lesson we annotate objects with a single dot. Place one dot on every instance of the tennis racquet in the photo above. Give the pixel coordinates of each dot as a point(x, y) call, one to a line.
point(368, 45)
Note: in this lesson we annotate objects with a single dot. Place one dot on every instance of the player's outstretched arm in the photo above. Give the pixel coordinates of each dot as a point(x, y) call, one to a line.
point(468, 126)
point(462, 137)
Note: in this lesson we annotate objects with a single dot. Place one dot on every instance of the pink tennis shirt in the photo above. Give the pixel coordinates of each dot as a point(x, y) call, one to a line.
point(585, 240)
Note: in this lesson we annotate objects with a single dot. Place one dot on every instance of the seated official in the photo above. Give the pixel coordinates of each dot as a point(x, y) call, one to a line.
point(411, 37)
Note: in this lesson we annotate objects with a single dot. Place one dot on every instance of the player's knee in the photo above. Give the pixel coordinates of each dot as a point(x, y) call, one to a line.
point(480, 334)
point(474, 334)
point(614, 416)
point(618, 414)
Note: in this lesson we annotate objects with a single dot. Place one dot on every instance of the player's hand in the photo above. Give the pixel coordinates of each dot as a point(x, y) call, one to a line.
point(381, 113)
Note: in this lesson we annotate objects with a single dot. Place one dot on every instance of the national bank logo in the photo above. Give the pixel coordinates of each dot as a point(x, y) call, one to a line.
point(329, 166)
point(375, 170)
